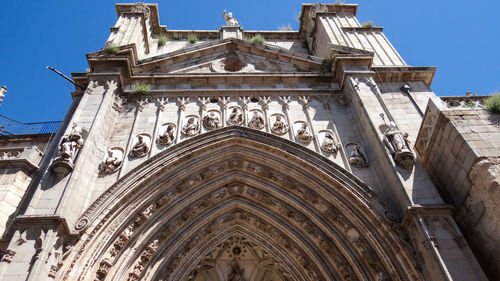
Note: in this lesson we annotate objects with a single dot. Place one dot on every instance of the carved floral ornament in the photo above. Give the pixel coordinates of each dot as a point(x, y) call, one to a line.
point(276, 212)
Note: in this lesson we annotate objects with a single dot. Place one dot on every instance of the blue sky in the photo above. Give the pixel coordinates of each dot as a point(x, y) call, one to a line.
point(461, 38)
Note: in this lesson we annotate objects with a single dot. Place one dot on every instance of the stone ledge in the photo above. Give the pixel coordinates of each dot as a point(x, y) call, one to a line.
point(27, 221)
point(25, 157)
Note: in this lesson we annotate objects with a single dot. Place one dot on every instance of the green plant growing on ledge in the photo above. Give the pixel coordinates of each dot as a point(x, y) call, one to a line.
point(259, 39)
point(176, 37)
point(492, 103)
point(368, 24)
point(111, 49)
point(162, 39)
point(192, 38)
point(285, 27)
point(327, 64)
point(141, 88)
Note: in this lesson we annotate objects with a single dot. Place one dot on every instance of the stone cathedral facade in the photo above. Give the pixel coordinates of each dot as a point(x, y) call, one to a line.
point(315, 155)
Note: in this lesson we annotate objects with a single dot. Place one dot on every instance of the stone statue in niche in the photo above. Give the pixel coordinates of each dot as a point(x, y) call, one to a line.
point(228, 17)
point(328, 144)
point(303, 134)
point(279, 127)
point(257, 121)
point(71, 143)
point(68, 149)
point(357, 156)
point(192, 126)
point(141, 146)
point(399, 146)
point(113, 160)
point(211, 121)
point(236, 272)
point(167, 137)
point(235, 117)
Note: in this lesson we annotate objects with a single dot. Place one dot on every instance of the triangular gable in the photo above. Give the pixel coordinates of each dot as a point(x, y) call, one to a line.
point(229, 56)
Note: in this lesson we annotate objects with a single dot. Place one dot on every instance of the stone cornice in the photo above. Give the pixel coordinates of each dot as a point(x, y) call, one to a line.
point(28, 221)
point(26, 158)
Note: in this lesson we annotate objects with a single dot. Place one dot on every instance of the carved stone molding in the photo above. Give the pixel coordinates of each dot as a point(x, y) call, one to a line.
point(193, 197)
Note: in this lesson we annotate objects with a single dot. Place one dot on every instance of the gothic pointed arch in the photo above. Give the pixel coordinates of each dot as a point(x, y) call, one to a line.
point(238, 204)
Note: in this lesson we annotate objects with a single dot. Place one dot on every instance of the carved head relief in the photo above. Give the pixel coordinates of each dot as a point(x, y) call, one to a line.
point(327, 141)
point(235, 116)
point(212, 120)
point(191, 125)
point(302, 132)
point(278, 123)
point(113, 160)
point(167, 134)
point(256, 119)
point(141, 147)
point(356, 154)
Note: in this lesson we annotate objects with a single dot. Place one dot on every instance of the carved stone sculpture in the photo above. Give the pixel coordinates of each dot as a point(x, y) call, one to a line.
point(236, 272)
point(168, 136)
point(399, 146)
point(113, 160)
point(329, 144)
point(257, 121)
point(357, 156)
point(279, 127)
point(229, 18)
point(235, 117)
point(303, 134)
point(140, 148)
point(211, 121)
point(191, 127)
point(68, 148)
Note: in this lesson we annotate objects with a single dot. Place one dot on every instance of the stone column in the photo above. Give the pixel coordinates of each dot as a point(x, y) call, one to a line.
point(286, 100)
point(444, 251)
point(305, 106)
point(181, 102)
point(265, 107)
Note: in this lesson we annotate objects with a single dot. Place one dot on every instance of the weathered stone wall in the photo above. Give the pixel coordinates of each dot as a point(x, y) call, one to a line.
point(19, 159)
point(460, 148)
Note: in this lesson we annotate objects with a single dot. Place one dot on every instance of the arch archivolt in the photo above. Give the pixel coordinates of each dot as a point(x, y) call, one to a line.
point(170, 218)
